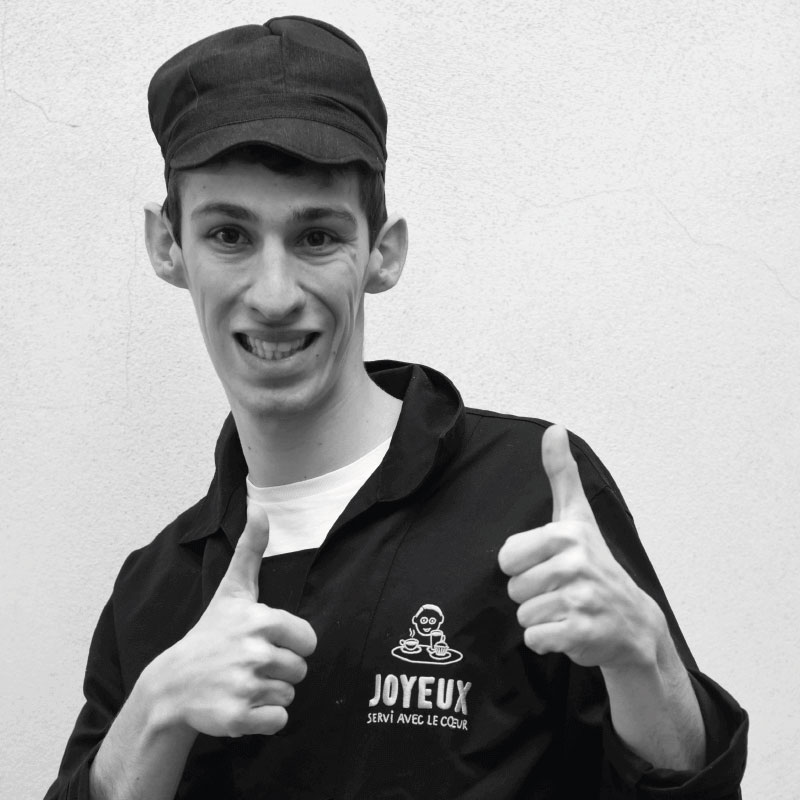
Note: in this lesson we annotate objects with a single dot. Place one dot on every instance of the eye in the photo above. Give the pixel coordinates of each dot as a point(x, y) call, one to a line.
point(227, 236)
point(318, 240)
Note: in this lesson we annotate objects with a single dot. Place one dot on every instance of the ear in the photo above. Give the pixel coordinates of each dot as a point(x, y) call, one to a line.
point(388, 256)
point(165, 254)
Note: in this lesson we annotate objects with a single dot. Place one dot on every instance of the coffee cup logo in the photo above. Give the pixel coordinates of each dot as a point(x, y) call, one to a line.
point(410, 645)
point(426, 642)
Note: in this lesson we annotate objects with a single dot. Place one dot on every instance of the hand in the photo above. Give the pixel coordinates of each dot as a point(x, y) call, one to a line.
point(574, 597)
point(234, 672)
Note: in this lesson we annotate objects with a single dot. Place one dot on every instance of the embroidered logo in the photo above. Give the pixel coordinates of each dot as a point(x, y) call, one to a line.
point(426, 642)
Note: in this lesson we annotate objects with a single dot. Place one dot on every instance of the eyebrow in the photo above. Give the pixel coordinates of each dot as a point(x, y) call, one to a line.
point(227, 209)
point(299, 215)
point(315, 213)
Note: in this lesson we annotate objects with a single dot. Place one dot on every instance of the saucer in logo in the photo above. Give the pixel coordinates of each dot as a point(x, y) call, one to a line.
point(426, 642)
point(427, 655)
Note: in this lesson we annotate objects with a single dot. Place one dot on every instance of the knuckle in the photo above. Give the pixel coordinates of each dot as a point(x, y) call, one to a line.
point(301, 670)
point(576, 562)
point(232, 722)
point(503, 559)
point(312, 640)
point(535, 642)
point(255, 688)
point(276, 721)
point(268, 654)
point(285, 694)
point(579, 597)
point(515, 589)
point(278, 623)
point(583, 560)
point(285, 621)
point(556, 534)
point(509, 554)
point(258, 649)
point(258, 615)
point(570, 533)
point(245, 684)
point(278, 617)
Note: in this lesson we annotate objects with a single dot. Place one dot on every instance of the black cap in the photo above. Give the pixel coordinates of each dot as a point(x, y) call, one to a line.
point(296, 84)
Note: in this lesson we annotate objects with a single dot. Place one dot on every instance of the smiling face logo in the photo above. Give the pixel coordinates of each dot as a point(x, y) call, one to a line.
point(428, 620)
point(426, 643)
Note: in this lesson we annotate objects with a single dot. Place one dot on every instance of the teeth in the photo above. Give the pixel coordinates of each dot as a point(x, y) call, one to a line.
point(273, 351)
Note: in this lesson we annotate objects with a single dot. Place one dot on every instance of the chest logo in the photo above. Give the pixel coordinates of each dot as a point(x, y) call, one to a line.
point(426, 642)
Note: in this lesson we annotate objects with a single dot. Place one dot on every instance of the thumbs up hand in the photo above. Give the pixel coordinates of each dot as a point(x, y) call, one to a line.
point(234, 672)
point(574, 597)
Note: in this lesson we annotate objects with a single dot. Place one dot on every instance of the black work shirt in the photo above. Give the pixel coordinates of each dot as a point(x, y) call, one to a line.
point(455, 707)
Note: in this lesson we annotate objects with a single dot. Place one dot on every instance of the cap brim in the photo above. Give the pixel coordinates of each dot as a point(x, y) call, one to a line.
point(307, 139)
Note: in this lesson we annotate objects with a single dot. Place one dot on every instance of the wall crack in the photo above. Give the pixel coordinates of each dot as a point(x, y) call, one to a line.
point(725, 248)
point(42, 109)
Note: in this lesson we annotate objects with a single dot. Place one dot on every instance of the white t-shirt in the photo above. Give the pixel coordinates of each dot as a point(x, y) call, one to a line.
point(301, 514)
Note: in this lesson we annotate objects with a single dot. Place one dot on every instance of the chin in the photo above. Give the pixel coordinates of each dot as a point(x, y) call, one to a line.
point(277, 407)
point(268, 403)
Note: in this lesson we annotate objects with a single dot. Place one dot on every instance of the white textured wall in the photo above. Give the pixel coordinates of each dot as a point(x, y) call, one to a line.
point(603, 201)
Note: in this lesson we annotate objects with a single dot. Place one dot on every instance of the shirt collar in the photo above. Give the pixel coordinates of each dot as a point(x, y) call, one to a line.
point(428, 434)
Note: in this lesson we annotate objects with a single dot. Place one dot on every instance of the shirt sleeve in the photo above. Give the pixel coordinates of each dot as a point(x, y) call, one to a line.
point(726, 723)
point(726, 734)
point(103, 692)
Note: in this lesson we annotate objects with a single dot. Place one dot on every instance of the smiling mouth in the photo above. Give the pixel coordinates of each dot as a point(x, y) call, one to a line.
point(275, 351)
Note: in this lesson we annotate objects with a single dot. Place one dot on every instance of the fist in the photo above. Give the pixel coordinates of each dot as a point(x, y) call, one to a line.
point(234, 673)
point(573, 595)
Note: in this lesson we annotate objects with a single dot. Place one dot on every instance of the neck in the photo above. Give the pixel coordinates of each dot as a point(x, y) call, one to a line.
point(289, 449)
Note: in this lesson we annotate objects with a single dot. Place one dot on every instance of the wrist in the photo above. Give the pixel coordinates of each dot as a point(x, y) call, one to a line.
point(650, 651)
point(655, 673)
point(159, 698)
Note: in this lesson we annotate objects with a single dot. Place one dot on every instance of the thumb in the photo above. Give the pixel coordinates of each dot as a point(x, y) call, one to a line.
point(569, 500)
point(242, 575)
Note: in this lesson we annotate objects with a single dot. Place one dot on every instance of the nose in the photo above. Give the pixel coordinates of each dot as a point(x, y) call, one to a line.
point(275, 291)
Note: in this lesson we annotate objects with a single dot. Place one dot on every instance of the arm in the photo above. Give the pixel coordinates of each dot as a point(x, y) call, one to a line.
point(575, 598)
point(613, 770)
point(654, 709)
point(232, 674)
point(144, 752)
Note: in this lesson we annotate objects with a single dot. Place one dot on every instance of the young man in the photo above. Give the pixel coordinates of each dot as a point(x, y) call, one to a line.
point(383, 594)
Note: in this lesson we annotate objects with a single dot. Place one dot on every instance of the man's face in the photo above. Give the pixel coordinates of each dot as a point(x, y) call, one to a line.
point(277, 267)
